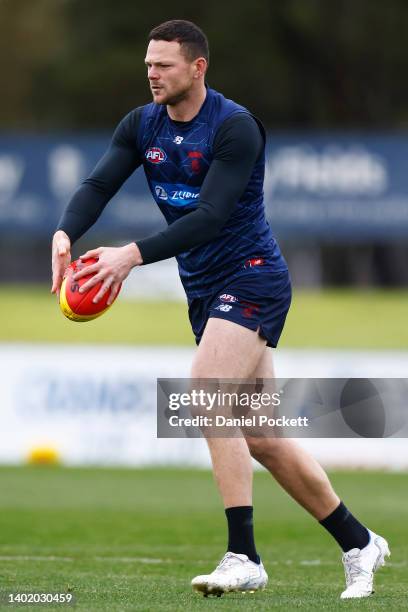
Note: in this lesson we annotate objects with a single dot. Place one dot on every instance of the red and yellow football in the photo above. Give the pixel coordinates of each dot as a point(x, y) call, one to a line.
point(79, 306)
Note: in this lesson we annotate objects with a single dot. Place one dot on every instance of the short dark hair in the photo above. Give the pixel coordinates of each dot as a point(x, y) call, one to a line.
point(192, 39)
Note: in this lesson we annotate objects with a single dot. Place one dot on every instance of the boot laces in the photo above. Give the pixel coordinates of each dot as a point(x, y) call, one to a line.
point(353, 569)
point(229, 560)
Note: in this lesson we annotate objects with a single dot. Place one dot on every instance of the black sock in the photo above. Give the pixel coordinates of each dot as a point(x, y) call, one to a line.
point(346, 529)
point(241, 532)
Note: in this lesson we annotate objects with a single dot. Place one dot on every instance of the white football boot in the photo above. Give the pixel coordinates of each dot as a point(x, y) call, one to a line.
point(235, 572)
point(360, 565)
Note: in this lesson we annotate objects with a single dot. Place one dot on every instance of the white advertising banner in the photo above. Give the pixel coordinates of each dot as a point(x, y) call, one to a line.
point(97, 404)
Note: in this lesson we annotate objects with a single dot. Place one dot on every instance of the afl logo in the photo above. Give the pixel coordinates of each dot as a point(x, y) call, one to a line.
point(155, 155)
point(226, 297)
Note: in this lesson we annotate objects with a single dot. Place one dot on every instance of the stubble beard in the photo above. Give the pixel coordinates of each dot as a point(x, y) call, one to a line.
point(174, 99)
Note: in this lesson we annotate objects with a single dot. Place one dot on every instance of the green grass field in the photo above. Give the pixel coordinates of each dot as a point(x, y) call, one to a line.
point(329, 319)
point(122, 539)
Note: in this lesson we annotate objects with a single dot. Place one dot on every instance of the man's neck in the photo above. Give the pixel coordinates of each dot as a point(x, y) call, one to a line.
point(190, 107)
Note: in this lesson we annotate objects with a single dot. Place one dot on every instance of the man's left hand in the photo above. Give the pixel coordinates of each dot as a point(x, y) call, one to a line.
point(112, 267)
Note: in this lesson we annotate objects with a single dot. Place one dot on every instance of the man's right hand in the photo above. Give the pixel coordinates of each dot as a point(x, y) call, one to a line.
point(61, 258)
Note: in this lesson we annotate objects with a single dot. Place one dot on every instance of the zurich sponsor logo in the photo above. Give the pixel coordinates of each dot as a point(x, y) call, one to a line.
point(161, 193)
point(155, 155)
point(177, 194)
point(181, 195)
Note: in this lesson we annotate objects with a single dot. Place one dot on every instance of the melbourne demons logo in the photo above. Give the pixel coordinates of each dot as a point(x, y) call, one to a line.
point(155, 155)
point(195, 157)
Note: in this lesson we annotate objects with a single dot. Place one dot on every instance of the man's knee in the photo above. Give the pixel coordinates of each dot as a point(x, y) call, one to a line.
point(263, 449)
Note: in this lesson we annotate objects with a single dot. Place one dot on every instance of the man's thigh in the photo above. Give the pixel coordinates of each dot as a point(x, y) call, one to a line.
point(227, 350)
point(264, 368)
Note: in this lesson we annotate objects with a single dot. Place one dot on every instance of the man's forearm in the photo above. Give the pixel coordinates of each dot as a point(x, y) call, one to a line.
point(192, 230)
point(112, 170)
point(82, 212)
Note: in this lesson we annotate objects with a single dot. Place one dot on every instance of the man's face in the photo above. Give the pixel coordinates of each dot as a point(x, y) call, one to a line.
point(170, 74)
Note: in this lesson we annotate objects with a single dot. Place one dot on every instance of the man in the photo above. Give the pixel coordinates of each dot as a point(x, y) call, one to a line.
point(203, 156)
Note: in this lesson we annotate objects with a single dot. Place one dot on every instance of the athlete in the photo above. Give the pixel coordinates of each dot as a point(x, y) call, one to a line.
point(203, 156)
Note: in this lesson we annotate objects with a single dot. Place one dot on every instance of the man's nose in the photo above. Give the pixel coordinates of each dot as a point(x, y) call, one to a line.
point(152, 74)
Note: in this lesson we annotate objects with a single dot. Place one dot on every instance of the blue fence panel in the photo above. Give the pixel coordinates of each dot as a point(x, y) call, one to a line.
point(331, 186)
point(39, 174)
point(338, 186)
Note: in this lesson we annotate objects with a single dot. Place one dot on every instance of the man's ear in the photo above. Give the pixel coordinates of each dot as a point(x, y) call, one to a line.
point(200, 67)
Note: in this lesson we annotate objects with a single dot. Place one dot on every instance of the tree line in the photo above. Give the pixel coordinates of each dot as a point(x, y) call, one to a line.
point(303, 64)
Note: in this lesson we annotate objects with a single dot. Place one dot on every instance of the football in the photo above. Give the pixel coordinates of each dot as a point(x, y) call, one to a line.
point(79, 306)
